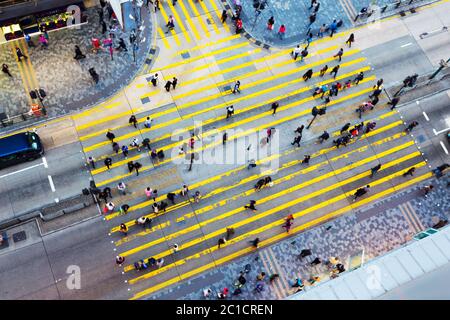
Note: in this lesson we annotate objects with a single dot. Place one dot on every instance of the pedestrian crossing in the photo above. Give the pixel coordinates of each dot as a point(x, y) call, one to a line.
point(314, 193)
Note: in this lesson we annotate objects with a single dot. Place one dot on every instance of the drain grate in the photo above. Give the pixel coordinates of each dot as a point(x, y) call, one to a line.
point(19, 236)
point(185, 55)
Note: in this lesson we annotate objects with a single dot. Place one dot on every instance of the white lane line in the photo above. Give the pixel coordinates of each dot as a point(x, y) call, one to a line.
point(22, 170)
point(426, 116)
point(406, 45)
point(443, 147)
point(44, 161)
point(439, 132)
point(50, 180)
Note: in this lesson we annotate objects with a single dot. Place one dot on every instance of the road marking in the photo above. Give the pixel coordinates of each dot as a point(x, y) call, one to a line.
point(439, 132)
point(279, 236)
point(21, 170)
point(406, 45)
point(426, 116)
point(415, 215)
point(50, 180)
point(44, 162)
point(443, 147)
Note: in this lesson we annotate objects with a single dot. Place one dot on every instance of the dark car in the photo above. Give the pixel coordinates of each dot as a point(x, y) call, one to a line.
point(20, 147)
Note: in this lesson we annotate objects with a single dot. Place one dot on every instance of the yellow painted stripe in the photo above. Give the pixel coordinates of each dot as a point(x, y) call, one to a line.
point(197, 14)
point(275, 196)
point(163, 37)
point(166, 18)
point(219, 15)
point(178, 20)
point(236, 136)
point(156, 115)
point(208, 15)
point(25, 80)
point(209, 44)
point(101, 106)
point(188, 19)
point(237, 123)
point(277, 237)
point(246, 180)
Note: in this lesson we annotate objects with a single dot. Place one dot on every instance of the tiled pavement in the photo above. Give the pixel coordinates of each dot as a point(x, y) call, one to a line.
point(294, 14)
point(375, 230)
point(67, 81)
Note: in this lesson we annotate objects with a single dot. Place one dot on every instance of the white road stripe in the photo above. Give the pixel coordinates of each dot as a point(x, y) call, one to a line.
point(44, 161)
point(439, 132)
point(406, 45)
point(22, 170)
point(426, 116)
point(50, 180)
point(443, 147)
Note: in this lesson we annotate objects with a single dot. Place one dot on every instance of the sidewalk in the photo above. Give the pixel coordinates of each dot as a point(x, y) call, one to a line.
point(373, 231)
point(295, 16)
point(67, 82)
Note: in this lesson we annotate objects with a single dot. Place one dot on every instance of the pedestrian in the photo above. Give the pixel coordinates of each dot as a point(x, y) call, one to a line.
point(239, 26)
point(339, 54)
point(426, 189)
point(230, 233)
point(270, 23)
point(168, 85)
point(306, 159)
point(323, 70)
point(261, 276)
point(350, 40)
point(359, 78)
point(313, 2)
point(297, 140)
point(316, 261)
point(175, 247)
point(375, 93)
point(295, 52)
point(148, 123)
point(224, 16)
point(299, 130)
point(174, 83)
point(374, 170)
point(268, 181)
point(159, 262)
point(154, 79)
point(133, 121)
point(374, 100)
point(197, 196)
point(78, 54)
point(303, 54)
point(370, 126)
point(237, 86)
point(333, 28)
point(411, 126)
point(354, 132)
point(308, 74)
point(255, 243)
point(224, 138)
point(94, 75)
point(345, 127)
point(393, 103)
point(135, 144)
point(230, 111)
point(322, 30)
point(379, 84)
point(143, 221)
point(120, 260)
point(316, 7)
point(111, 136)
point(108, 162)
point(124, 209)
point(251, 164)
point(91, 161)
point(184, 191)
point(154, 194)
point(409, 172)
point(347, 84)
point(259, 184)
point(170, 24)
point(5, 70)
point(360, 192)
point(29, 42)
point(309, 40)
point(155, 208)
point(324, 136)
point(282, 31)
point(123, 229)
point(251, 206)
point(273, 277)
point(156, 4)
point(122, 45)
point(125, 151)
point(221, 242)
point(137, 166)
point(298, 284)
point(43, 41)
point(122, 188)
point(130, 165)
point(335, 70)
point(287, 225)
point(20, 54)
point(304, 253)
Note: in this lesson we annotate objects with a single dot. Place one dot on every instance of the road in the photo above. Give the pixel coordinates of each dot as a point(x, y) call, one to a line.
point(314, 193)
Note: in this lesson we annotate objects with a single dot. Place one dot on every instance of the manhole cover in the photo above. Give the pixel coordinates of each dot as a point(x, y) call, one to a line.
point(227, 88)
point(19, 236)
point(420, 138)
point(185, 55)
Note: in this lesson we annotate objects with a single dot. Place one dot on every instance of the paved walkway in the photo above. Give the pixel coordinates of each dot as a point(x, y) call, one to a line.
point(294, 14)
point(374, 230)
point(67, 81)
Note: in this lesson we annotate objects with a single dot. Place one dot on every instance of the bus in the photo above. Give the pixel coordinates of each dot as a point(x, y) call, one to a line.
point(20, 147)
